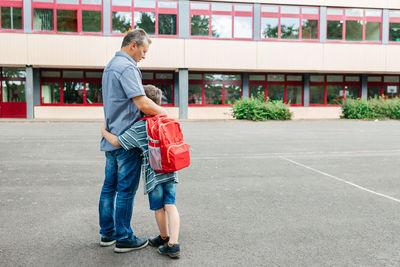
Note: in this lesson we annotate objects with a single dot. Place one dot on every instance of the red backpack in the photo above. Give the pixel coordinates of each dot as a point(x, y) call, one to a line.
point(167, 150)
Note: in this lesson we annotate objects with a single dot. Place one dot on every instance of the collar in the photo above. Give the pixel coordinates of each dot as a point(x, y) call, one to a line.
point(123, 54)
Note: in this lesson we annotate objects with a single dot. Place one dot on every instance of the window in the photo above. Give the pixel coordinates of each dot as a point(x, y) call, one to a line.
point(383, 86)
point(11, 17)
point(333, 89)
point(12, 85)
point(67, 16)
point(156, 17)
point(221, 20)
point(70, 87)
point(282, 87)
point(164, 81)
point(214, 88)
point(289, 23)
point(354, 25)
point(394, 26)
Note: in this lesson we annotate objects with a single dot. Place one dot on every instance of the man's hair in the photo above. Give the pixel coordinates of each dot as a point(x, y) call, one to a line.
point(137, 35)
point(153, 93)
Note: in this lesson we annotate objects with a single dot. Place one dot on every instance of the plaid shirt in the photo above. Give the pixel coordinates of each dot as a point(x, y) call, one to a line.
point(136, 136)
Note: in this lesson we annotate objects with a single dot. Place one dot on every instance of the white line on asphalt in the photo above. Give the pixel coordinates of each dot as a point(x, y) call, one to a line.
point(342, 180)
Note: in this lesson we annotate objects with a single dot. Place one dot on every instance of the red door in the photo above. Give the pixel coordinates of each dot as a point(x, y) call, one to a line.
point(12, 98)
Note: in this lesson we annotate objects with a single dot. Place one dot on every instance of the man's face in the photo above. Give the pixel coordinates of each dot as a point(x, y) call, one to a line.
point(139, 52)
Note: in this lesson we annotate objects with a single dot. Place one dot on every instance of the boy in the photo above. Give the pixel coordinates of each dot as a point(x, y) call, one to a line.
point(160, 187)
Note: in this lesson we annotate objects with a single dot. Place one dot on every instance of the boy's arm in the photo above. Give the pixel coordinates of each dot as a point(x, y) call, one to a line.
point(111, 138)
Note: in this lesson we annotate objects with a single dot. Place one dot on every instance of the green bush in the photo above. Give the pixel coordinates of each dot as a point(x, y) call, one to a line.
point(257, 110)
point(373, 108)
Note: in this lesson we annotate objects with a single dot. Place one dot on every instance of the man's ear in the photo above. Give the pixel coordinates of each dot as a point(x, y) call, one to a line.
point(133, 45)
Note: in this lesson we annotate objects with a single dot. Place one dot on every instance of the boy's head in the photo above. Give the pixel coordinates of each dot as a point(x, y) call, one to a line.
point(153, 93)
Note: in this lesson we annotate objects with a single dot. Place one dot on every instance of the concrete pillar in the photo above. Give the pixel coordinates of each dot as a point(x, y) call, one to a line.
point(27, 10)
point(183, 93)
point(176, 89)
point(245, 85)
point(306, 91)
point(29, 92)
point(322, 24)
point(385, 26)
point(364, 87)
point(257, 19)
point(184, 20)
point(107, 17)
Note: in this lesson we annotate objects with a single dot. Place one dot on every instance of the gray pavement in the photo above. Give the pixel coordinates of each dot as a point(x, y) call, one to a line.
point(297, 193)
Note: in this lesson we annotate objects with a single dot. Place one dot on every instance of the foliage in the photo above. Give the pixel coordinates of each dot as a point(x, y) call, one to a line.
point(257, 110)
point(374, 108)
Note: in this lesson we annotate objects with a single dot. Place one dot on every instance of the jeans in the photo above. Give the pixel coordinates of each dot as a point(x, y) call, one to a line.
point(122, 176)
point(162, 195)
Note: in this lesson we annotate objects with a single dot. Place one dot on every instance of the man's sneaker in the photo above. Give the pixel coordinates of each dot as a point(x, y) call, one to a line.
point(136, 243)
point(158, 241)
point(173, 251)
point(107, 241)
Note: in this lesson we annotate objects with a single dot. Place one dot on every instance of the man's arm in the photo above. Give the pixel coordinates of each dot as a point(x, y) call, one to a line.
point(111, 138)
point(147, 106)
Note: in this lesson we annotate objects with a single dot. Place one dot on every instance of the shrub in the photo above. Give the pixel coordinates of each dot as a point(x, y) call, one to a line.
point(373, 108)
point(257, 110)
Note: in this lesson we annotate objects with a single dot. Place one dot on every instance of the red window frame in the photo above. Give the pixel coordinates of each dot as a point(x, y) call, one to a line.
point(382, 84)
point(393, 20)
point(157, 10)
point(7, 79)
point(60, 80)
point(203, 82)
point(157, 82)
point(344, 84)
point(233, 13)
point(19, 4)
point(300, 16)
point(346, 18)
point(285, 83)
point(78, 7)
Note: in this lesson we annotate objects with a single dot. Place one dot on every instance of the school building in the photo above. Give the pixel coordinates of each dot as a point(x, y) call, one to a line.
point(312, 54)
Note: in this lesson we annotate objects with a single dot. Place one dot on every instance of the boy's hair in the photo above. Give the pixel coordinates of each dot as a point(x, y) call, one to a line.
point(153, 93)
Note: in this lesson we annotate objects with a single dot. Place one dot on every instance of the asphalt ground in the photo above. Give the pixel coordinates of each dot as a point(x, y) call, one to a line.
point(296, 193)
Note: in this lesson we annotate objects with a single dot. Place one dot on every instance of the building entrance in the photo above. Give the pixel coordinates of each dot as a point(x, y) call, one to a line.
point(12, 93)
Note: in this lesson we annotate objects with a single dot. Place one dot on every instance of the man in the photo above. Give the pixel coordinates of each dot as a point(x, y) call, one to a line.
point(123, 99)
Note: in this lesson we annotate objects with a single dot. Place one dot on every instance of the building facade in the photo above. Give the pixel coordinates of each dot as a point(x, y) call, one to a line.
point(312, 54)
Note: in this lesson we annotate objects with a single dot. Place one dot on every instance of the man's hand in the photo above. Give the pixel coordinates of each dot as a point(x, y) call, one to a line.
point(147, 106)
point(103, 128)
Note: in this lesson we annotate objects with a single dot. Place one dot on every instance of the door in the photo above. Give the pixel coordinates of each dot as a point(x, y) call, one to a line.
point(12, 93)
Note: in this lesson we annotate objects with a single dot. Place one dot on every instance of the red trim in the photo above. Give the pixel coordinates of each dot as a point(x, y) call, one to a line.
point(78, 7)
point(18, 4)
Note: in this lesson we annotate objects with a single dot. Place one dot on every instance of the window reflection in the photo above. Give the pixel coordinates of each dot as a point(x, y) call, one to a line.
point(334, 94)
point(167, 93)
point(199, 25)
point(309, 29)
point(269, 27)
point(11, 18)
point(243, 27)
point(195, 96)
point(121, 22)
point(43, 20)
point(232, 93)
point(67, 21)
point(213, 94)
point(257, 90)
point(372, 31)
point(167, 24)
point(317, 94)
point(374, 91)
point(94, 93)
point(50, 93)
point(290, 28)
point(145, 21)
point(221, 26)
point(354, 30)
point(13, 91)
point(73, 92)
point(335, 30)
point(294, 94)
point(91, 21)
point(276, 92)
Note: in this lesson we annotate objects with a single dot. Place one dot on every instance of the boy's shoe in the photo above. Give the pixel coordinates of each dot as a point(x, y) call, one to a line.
point(173, 252)
point(158, 241)
point(136, 243)
point(107, 241)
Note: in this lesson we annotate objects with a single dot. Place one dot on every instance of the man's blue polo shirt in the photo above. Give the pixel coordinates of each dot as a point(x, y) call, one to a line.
point(122, 81)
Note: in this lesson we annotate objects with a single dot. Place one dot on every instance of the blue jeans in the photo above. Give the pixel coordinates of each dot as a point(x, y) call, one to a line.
point(163, 194)
point(122, 176)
